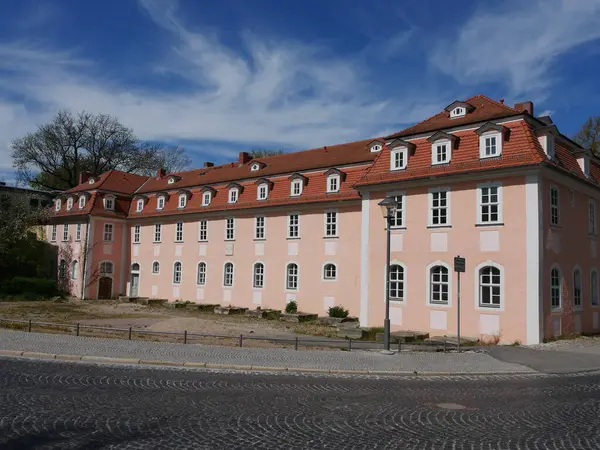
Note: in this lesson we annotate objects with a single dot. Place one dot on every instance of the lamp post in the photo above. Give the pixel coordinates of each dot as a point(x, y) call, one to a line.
point(388, 206)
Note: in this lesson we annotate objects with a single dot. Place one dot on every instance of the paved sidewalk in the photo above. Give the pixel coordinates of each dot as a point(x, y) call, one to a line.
point(547, 361)
point(58, 346)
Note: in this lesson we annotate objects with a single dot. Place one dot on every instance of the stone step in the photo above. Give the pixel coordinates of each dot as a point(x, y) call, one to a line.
point(404, 336)
point(351, 333)
point(298, 317)
point(206, 307)
point(157, 301)
point(229, 311)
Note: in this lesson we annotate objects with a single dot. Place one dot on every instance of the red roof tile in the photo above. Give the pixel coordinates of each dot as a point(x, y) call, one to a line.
point(114, 180)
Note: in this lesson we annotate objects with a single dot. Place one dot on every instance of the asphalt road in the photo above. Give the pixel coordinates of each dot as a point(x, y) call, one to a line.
point(61, 405)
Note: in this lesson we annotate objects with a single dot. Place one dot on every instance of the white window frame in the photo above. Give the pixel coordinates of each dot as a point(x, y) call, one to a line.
point(139, 205)
point(78, 232)
point(479, 218)
point(396, 152)
point(403, 281)
point(177, 274)
point(324, 273)
point(103, 266)
point(62, 269)
point(477, 288)
point(333, 183)
point(155, 264)
point(291, 227)
point(108, 230)
point(459, 111)
point(57, 204)
point(262, 191)
point(234, 194)
point(65, 233)
point(434, 147)
point(74, 270)
point(376, 148)
point(206, 198)
point(258, 276)
point(201, 274)
point(428, 281)
point(260, 229)
point(432, 208)
point(226, 274)
point(179, 232)
point(160, 202)
point(296, 275)
point(157, 232)
point(400, 197)
point(182, 201)
point(230, 228)
point(82, 202)
point(109, 203)
point(553, 288)
point(592, 218)
point(554, 207)
point(53, 233)
point(594, 290)
point(69, 203)
point(483, 144)
point(334, 224)
point(203, 231)
point(577, 296)
point(254, 167)
point(296, 184)
point(137, 232)
point(171, 180)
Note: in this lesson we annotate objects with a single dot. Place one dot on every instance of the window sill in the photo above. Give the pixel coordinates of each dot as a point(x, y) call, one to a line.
point(156, 242)
point(397, 228)
point(397, 169)
point(489, 156)
point(229, 240)
point(178, 242)
point(439, 226)
point(556, 310)
point(439, 305)
point(293, 239)
point(106, 242)
point(490, 224)
point(331, 237)
point(440, 163)
point(136, 243)
point(555, 226)
point(259, 239)
point(490, 307)
point(203, 240)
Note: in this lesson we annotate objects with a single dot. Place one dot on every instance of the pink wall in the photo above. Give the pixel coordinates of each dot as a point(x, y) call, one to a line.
point(70, 250)
point(416, 247)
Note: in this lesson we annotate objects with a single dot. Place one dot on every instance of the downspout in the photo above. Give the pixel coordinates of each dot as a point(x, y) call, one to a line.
point(85, 246)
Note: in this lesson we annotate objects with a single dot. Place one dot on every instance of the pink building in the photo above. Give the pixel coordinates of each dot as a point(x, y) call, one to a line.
point(489, 182)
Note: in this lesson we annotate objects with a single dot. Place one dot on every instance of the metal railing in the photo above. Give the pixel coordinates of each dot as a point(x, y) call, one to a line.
point(187, 337)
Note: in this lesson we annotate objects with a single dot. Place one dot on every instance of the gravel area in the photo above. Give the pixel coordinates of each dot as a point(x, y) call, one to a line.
point(583, 344)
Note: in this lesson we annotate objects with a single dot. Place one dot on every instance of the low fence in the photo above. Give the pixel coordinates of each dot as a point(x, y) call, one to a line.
point(241, 340)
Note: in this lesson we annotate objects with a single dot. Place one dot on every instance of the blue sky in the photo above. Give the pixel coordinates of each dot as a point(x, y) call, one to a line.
point(222, 76)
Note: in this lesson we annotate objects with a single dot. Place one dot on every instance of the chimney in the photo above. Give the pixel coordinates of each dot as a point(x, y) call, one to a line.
point(160, 173)
point(84, 176)
point(526, 107)
point(244, 157)
point(209, 164)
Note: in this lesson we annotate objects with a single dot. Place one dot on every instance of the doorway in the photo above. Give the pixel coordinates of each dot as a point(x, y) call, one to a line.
point(135, 281)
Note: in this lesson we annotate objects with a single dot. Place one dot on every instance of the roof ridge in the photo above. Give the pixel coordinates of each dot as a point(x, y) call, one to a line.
point(510, 108)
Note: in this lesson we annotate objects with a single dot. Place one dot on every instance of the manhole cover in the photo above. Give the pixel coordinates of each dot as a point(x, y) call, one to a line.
point(451, 406)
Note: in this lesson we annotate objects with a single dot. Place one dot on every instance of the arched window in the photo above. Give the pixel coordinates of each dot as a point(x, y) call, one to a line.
point(490, 287)
point(201, 276)
point(106, 268)
point(396, 282)
point(62, 269)
point(74, 270)
point(555, 288)
point(135, 267)
point(155, 267)
point(228, 274)
point(594, 287)
point(259, 275)
point(177, 273)
point(292, 277)
point(577, 283)
point(330, 271)
point(439, 285)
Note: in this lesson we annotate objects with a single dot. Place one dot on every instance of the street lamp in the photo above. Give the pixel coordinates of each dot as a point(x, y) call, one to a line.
point(388, 206)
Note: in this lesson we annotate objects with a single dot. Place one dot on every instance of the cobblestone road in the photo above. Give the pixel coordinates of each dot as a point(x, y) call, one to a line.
point(61, 405)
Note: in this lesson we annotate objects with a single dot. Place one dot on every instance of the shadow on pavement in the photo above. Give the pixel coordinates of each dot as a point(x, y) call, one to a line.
point(547, 361)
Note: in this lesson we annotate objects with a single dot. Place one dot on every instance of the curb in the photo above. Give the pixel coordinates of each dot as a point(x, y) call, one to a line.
point(202, 365)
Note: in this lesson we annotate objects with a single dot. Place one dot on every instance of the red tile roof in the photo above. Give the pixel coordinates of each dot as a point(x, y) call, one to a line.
point(113, 180)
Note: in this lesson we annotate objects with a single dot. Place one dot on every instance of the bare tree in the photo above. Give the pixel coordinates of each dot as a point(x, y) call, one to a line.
point(263, 152)
point(53, 156)
point(589, 135)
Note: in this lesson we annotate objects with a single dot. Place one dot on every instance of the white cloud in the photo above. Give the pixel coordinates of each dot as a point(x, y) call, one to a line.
point(518, 43)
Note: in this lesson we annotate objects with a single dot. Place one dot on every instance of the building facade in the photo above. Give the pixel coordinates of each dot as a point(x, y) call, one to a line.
point(489, 182)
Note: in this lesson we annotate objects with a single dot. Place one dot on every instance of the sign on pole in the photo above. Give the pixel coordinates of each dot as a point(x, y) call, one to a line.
point(459, 267)
point(459, 264)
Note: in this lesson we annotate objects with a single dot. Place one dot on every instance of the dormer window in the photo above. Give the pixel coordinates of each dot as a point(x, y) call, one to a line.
point(398, 158)
point(109, 203)
point(376, 148)
point(171, 180)
point(546, 139)
point(160, 202)
point(442, 145)
point(491, 137)
point(182, 201)
point(459, 111)
point(91, 181)
point(333, 183)
point(69, 203)
point(296, 188)
point(262, 191)
point(206, 197)
point(233, 195)
point(57, 204)
point(139, 205)
point(82, 202)
point(254, 167)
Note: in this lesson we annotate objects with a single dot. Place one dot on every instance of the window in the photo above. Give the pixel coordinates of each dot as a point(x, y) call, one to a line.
point(331, 224)
point(490, 203)
point(441, 153)
point(108, 232)
point(262, 192)
point(179, 232)
point(396, 284)
point(293, 226)
point(577, 288)
point(160, 202)
point(333, 183)
point(439, 207)
point(157, 232)
point(201, 276)
point(177, 273)
point(397, 220)
point(155, 267)
point(74, 270)
point(203, 231)
point(490, 145)
point(259, 227)
point(571, 197)
point(69, 203)
point(106, 268)
point(230, 229)
point(594, 287)
point(254, 167)
point(233, 195)
point(182, 201)
point(78, 232)
point(65, 232)
point(139, 205)
point(62, 269)
point(136, 234)
point(259, 275)
point(53, 233)
point(592, 217)
point(82, 202)
point(228, 274)
point(439, 285)
point(57, 205)
point(206, 198)
point(398, 159)
point(329, 271)
point(458, 112)
point(555, 289)
point(376, 148)
point(554, 206)
point(291, 282)
point(91, 181)
point(135, 267)
point(296, 188)
point(489, 287)
point(109, 203)
point(171, 180)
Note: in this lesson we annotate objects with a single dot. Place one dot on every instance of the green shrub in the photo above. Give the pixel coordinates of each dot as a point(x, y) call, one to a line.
point(291, 307)
point(338, 311)
point(29, 288)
